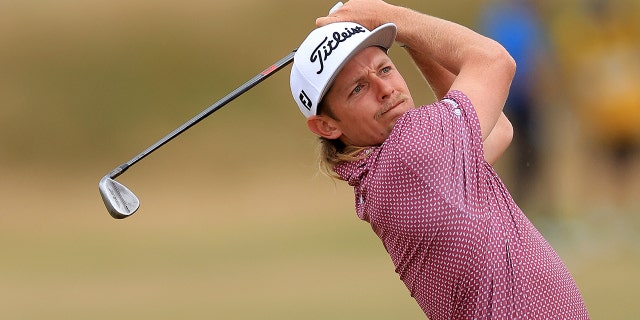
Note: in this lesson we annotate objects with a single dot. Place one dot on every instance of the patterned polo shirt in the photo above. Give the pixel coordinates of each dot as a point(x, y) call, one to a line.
point(458, 241)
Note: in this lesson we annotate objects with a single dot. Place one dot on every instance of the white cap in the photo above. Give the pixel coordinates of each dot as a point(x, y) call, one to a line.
point(324, 52)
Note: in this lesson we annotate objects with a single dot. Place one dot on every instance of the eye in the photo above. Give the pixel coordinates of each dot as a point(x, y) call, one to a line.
point(357, 89)
point(385, 70)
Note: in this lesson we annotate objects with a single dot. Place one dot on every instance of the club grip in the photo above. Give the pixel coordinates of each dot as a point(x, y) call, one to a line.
point(336, 7)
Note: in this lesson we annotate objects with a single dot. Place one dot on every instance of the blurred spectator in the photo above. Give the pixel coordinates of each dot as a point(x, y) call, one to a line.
point(516, 25)
point(599, 52)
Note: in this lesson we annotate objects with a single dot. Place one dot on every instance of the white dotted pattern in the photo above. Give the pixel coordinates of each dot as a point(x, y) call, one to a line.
point(458, 241)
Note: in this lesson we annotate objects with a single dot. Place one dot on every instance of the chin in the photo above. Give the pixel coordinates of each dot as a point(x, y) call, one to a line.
point(397, 113)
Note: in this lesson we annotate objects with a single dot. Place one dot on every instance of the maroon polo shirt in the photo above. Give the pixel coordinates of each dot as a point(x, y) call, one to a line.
point(458, 241)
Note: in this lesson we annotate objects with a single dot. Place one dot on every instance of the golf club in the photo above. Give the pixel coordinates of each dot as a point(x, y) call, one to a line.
point(118, 199)
point(122, 202)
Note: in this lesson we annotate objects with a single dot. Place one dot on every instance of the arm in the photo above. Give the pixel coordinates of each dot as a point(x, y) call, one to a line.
point(441, 80)
point(498, 140)
point(500, 137)
point(450, 56)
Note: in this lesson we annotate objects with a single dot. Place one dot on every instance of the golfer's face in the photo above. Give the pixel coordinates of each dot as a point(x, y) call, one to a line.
point(367, 98)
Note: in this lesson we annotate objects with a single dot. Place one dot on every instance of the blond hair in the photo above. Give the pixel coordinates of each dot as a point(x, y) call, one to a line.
point(334, 152)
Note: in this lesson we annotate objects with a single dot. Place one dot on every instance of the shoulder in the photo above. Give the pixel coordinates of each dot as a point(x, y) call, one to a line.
point(438, 128)
point(454, 107)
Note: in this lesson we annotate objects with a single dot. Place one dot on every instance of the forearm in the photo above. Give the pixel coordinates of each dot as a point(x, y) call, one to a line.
point(434, 40)
point(427, 38)
point(439, 78)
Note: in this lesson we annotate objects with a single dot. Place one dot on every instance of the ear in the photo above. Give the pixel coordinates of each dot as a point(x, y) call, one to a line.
point(324, 126)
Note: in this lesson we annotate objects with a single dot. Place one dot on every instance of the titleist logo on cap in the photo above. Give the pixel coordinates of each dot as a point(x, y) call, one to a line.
point(326, 47)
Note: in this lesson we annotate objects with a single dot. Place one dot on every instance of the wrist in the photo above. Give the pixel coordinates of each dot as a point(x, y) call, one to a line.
point(408, 22)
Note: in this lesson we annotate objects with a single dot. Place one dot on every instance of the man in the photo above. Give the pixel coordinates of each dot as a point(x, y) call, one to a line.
point(422, 176)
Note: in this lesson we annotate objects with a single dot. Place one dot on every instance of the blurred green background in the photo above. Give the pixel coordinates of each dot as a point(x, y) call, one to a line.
point(236, 222)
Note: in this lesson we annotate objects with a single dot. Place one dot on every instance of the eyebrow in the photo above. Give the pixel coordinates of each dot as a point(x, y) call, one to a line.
point(362, 75)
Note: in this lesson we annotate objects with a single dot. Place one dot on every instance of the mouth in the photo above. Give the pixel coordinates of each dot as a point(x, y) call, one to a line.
point(390, 107)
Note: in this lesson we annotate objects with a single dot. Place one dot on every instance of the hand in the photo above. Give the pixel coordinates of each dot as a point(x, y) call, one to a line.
point(369, 13)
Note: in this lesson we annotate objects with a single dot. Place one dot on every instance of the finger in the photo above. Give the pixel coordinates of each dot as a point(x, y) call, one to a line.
point(323, 21)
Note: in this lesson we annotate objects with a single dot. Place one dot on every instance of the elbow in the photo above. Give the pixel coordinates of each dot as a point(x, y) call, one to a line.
point(499, 71)
point(509, 63)
point(495, 60)
point(491, 65)
point(501, 60)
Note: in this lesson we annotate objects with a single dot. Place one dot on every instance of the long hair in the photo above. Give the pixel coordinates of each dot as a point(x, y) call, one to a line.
point(333, 151)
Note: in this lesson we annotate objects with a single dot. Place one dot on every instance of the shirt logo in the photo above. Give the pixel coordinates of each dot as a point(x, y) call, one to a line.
point(326, 47)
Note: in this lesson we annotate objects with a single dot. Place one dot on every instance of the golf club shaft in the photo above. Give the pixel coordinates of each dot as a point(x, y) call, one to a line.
point(205, 113)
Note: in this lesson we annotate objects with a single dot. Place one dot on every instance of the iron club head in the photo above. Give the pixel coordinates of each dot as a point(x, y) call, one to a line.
point(118, 199)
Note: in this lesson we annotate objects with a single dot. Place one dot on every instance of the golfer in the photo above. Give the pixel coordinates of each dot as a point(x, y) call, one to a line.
point(422, 175)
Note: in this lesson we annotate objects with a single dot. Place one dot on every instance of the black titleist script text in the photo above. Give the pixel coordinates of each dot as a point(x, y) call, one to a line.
point(326, 47)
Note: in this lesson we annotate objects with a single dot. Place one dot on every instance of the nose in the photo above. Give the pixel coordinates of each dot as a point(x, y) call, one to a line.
point(383, 87)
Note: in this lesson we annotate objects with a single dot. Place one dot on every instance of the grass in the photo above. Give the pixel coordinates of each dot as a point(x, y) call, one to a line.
point(75, 262)
point(276, 253)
